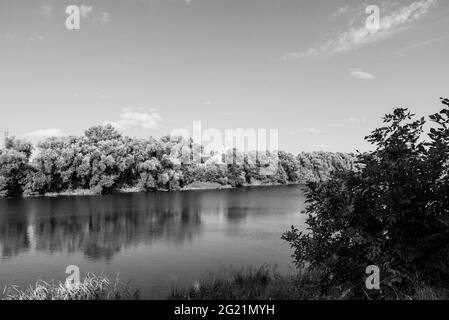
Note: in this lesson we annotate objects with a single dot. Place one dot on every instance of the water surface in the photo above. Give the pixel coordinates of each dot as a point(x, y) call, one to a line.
point(154, 240)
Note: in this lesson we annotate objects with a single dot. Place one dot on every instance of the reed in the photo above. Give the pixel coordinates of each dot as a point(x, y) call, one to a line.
point(91, 288)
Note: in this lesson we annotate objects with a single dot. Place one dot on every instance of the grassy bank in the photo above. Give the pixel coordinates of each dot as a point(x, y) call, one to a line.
point(265, 283)
point(91, 288)
point(196, 186)
point(88, 192)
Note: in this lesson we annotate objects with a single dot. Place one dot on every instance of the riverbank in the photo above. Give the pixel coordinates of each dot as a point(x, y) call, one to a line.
point(196, 186)
point(265, 283)
point(91, 288)
point(105, 161)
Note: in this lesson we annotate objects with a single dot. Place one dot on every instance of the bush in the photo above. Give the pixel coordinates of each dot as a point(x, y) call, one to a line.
point(392, 213)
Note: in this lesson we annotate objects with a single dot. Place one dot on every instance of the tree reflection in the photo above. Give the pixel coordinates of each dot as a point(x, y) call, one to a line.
point(99, 227)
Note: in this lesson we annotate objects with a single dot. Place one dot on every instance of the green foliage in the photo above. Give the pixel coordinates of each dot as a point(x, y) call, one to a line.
point(102, 133)
point(104, 161)
point(290, 165)
point(392, 212)
point(14, 167)
point(11, 143)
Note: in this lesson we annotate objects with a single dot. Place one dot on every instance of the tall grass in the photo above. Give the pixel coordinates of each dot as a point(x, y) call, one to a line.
point(265, 283)
point(91, 288)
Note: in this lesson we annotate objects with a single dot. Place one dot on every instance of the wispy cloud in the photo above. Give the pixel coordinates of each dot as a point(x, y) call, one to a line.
point(312, 130)
point(357, 120)
point(337, 125)
point(137, 117)
point(341, 11)
point(103, 96)
point(403, 52)
point(105, 18)
point(318, 147)
point(363, 75)
point(46, 11)
point(46, 133)
point(38, 37)
point(85, 11)
point(391, 21)
point(102, 18)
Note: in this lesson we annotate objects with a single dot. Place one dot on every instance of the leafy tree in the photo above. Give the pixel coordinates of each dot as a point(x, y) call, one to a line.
point(13, 172)
point(102, 133)
point(25, 147)
point(290, 165)
point(104, 161)
point(393, 212)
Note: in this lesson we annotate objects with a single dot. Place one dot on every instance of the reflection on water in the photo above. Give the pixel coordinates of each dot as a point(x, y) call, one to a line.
point(97, 226)
point(153, 239)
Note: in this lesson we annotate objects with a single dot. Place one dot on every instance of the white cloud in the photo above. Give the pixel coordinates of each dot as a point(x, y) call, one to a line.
point(357, 120)
point(39, 37)
point(132, 117)
point(103, 96)
point(105, 18)
point(390, 23)
point(318, 147)
point(45, 11)
point(312, 130)
point(323, 146)
point(85, 10)
point(360, 74)
point(46, 133)
point(336, 125)
point(421, 44)
point(231, 113)
point(340, 11)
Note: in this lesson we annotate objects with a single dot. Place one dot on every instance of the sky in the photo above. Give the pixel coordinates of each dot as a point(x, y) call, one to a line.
point(312, 69)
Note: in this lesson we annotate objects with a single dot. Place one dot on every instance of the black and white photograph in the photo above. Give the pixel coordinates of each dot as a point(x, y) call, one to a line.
point(224, 150)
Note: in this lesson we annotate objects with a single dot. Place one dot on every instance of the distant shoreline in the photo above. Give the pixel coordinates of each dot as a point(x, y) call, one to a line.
point(196, 186)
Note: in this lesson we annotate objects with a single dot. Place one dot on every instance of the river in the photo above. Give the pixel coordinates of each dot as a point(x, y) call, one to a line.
point(155, 240)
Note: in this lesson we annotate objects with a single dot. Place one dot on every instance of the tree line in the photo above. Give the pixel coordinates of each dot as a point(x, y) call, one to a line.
point(104, 161)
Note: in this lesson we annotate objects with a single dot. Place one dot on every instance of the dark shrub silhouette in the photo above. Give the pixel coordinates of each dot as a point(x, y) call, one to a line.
point(393, 213)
